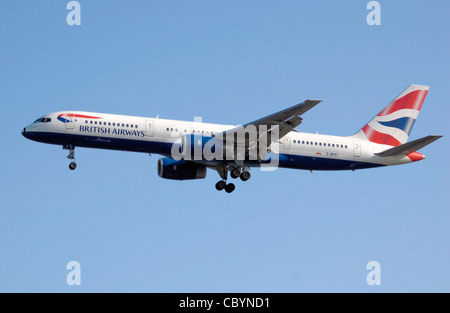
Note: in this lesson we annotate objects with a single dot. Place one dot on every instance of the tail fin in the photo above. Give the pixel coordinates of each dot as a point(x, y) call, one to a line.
point(393, 125)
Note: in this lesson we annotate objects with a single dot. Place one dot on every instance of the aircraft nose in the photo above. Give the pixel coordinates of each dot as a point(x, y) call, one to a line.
point(24, 132)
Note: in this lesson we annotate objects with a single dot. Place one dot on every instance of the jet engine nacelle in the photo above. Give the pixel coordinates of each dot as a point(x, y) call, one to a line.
point(180, 170)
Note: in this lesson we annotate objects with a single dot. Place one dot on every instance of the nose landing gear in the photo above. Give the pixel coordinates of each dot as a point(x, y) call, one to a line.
point(71, 156)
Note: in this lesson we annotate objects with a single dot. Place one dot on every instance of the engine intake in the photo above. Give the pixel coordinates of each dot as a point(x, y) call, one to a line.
point(180, 170)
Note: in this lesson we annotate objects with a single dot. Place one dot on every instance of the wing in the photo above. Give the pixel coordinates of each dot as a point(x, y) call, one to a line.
point(289, 116)
point(271, 128)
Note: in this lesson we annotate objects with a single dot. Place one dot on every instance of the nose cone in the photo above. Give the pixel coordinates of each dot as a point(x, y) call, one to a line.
point(27, 133)
point(416, 156)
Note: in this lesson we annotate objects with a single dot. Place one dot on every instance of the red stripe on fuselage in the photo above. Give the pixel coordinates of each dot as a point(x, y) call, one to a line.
point(412, 100)
point(380, 138)
point(86, 116)
point(78, 115)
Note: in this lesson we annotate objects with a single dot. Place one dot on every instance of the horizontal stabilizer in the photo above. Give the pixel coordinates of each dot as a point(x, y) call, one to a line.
point(409, 147)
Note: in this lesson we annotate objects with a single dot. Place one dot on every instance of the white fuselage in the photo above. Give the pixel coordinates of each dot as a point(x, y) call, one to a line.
point(155, 135)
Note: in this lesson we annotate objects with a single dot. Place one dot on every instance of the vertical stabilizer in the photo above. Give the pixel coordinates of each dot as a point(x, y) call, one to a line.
point(393, 125)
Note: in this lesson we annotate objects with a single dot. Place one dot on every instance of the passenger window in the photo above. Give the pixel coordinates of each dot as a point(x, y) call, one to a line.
point(109, 124)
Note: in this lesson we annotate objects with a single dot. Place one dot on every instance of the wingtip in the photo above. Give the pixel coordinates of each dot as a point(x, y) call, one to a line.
point(316, 100)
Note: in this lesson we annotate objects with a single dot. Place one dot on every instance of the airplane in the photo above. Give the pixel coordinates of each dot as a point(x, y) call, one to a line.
point(272, 141)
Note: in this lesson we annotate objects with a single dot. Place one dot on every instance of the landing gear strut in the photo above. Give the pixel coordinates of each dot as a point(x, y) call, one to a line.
point(71, 156)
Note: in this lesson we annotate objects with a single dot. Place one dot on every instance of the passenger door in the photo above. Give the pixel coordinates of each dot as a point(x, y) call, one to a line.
point(356, 148)
point(70, 125)
point(149, 128)
point(286, 142)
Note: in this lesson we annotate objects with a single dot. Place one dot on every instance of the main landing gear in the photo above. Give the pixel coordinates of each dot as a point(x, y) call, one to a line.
point(235, 172)
point(71, 156)
point(222, 184)
point(244, 175)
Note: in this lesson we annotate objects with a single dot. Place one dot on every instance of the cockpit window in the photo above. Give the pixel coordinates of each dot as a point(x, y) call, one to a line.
point(43, 120)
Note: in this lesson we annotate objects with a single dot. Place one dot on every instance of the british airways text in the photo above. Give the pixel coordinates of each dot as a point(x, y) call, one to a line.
point(111, 131)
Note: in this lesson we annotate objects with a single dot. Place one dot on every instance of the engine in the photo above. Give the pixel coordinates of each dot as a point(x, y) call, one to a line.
point(180, 170)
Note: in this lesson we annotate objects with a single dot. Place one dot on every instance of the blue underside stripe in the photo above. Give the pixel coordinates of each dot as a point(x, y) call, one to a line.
point(284, 160)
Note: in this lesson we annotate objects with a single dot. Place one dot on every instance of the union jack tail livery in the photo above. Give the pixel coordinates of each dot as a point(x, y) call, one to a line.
point(393, 125)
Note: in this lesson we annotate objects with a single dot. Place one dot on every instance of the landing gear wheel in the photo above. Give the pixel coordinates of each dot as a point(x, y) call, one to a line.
point(230, 188)
point(235, 173)
point(245, 175)
point(73, 165)
point(221, 185)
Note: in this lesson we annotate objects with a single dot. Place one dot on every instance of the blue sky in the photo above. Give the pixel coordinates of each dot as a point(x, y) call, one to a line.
point(229, 62)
